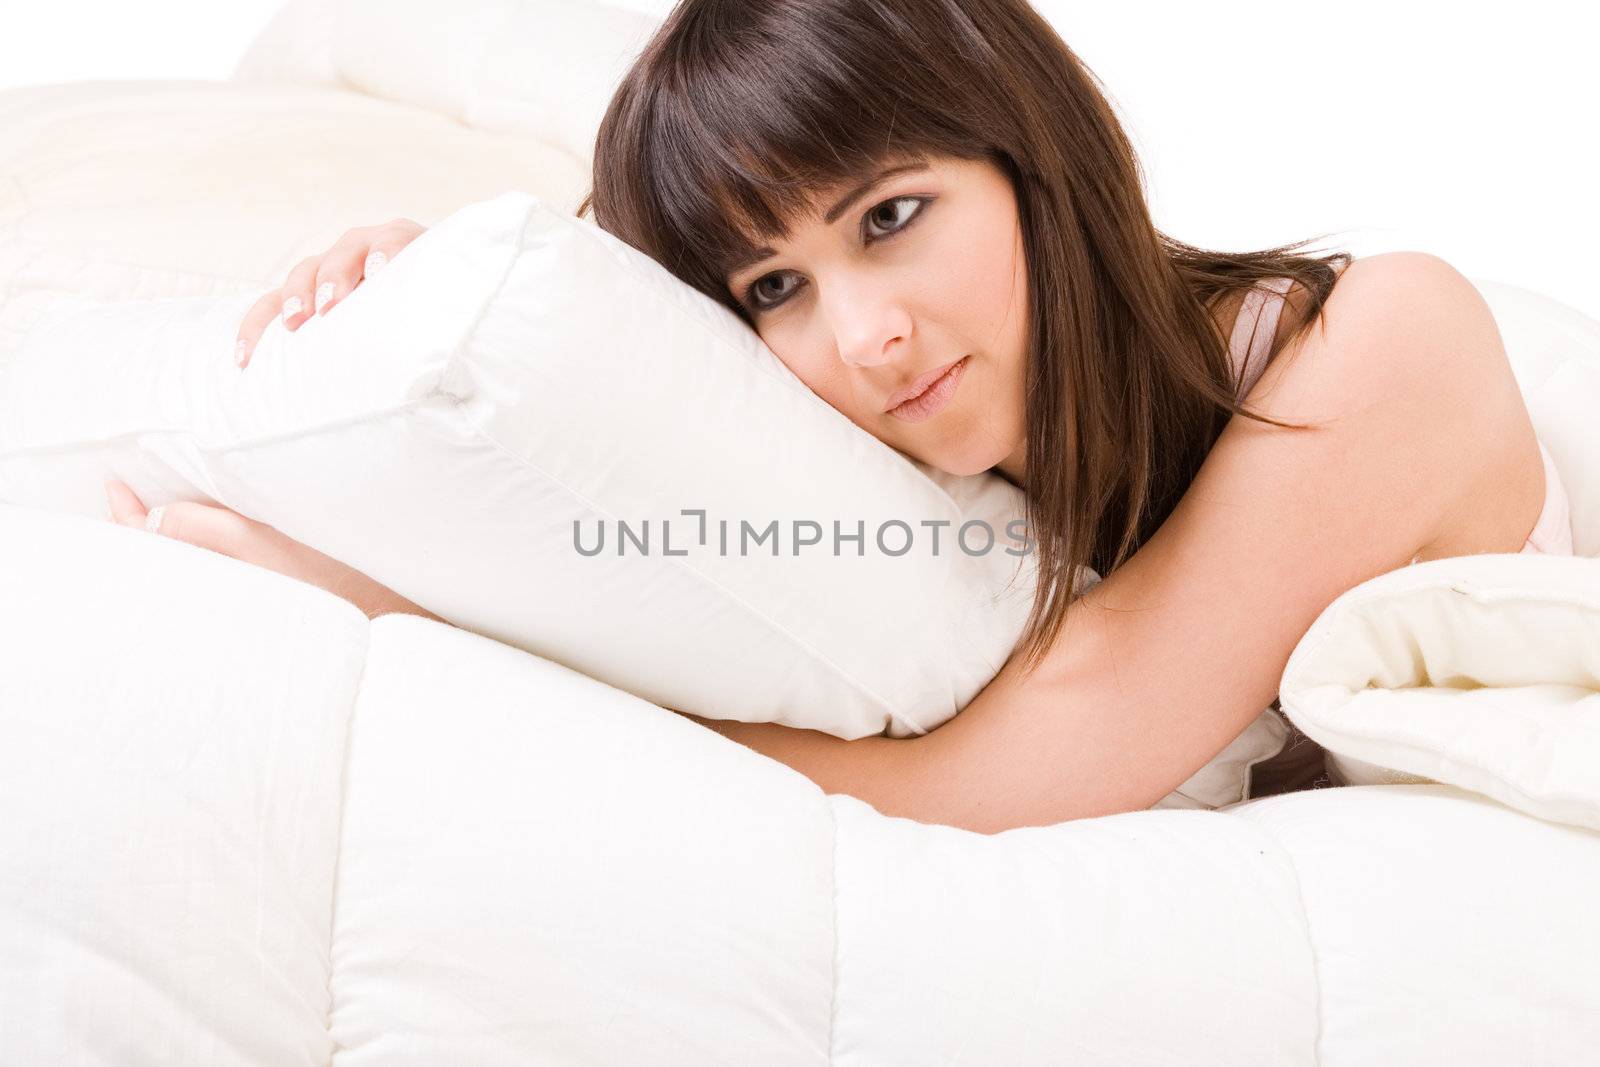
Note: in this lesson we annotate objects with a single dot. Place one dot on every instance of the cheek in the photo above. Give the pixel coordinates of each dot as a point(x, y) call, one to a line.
point(980, 276)
point(806, 360)
point(831, 382)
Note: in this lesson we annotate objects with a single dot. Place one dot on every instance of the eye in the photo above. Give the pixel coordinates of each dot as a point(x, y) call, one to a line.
point(895, 215)
point(764, 295)
point(895, 218)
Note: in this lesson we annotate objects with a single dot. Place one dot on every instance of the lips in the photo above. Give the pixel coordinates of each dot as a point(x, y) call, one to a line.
point(918, 387)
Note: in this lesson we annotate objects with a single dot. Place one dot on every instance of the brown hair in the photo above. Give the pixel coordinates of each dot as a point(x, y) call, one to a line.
point(738, 112)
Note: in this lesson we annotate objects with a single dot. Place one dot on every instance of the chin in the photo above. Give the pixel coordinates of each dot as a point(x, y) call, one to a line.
point(957, 451)
point(962, 462)
point(965, 469)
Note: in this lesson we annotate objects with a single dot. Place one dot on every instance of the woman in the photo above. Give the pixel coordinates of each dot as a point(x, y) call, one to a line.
point(929, 212)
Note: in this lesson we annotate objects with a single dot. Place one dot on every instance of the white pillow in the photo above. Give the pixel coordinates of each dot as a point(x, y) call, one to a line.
point(517, 372)
point(544, 69)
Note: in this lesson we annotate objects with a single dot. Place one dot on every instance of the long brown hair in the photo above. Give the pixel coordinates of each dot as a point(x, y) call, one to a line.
point(738, 112)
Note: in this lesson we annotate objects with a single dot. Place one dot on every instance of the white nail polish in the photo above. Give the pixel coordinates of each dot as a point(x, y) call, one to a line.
point(375, 262)
point(324, 294)
point(238, 353)
point(292, 307)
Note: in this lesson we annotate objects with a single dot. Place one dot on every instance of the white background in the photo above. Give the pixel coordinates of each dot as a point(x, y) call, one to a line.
point(1389, 125)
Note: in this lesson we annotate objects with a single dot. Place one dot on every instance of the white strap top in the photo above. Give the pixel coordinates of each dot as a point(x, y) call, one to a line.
point(1253, 330)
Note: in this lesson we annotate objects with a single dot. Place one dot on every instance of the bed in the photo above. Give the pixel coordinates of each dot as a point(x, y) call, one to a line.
point(245, 824)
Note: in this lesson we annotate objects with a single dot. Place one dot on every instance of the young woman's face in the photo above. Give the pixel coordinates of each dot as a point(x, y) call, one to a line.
point(922, 270)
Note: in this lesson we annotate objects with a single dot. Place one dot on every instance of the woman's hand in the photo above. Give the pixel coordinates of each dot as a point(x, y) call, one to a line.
point(319, 282)
point(222, 530)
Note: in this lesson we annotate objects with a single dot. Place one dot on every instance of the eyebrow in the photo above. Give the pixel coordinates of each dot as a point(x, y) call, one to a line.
point(751, 258)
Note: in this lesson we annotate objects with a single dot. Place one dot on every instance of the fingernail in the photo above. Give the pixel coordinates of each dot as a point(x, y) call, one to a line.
point(238, 352)
point(375, 262)
point(324, 294)
point(292, 307)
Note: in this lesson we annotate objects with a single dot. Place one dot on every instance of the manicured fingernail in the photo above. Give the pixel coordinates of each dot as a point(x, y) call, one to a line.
point(324, 294)
point(292, 307)
point(375, 262)
point(238, 352)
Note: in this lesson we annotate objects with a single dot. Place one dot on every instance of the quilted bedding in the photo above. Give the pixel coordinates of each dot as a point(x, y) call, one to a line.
point(248, 826)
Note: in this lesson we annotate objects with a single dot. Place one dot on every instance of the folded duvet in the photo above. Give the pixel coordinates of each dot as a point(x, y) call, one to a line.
point(1481, 672)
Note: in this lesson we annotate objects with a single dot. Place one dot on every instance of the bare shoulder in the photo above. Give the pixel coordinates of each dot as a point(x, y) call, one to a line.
point(1410, 327)
point(1413, 414)
point(1415, 296)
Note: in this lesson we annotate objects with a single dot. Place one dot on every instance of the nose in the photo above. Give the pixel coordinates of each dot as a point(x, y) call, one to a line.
point(867, 322)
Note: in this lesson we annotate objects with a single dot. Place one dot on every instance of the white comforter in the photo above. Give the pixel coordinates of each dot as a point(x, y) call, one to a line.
point(247, 826)
point(1483, 672)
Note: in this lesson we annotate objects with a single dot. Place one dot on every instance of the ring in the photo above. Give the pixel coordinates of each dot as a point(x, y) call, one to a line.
point(152, 521)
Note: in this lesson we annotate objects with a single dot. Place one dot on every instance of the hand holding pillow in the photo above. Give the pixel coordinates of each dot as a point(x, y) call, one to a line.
point(319, 282)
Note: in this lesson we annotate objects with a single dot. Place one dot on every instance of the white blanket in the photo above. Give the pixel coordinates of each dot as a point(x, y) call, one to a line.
point(1481, 672)
point(246, 826)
